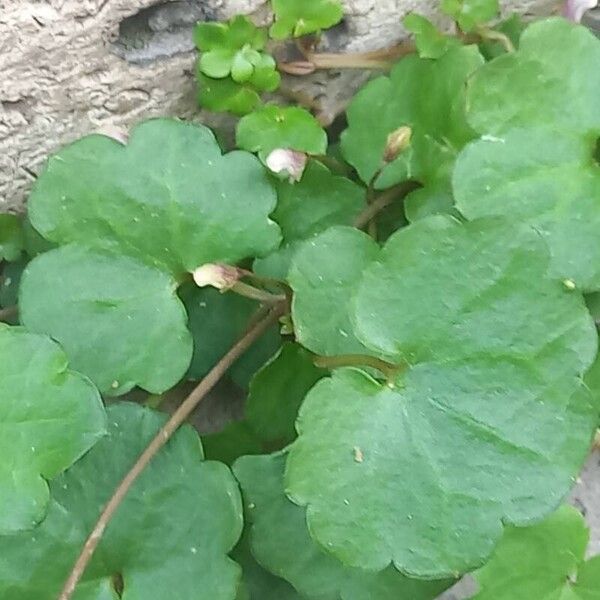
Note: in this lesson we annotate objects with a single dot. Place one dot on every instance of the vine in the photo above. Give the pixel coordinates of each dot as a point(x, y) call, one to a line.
point(410, 312)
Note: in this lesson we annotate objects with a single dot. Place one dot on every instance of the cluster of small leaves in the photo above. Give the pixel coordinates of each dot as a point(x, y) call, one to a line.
point(234, 68)
point(432, 390)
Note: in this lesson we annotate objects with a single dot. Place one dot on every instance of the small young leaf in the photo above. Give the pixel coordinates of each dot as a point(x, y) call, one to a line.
point(542, 561)
point(294, 18)
point(11, 237)
point(156, 198)
point(324, 273)
point(169, 538)
point(552, 78)
point(318, 201)
point(118, 319)
point(470, 13)
point(488, 424)
point(277, 391)
point(273, 127)
point(281, 542)
point(225, 95)
point(542, 177)
point(430, 41)
point(50, 416)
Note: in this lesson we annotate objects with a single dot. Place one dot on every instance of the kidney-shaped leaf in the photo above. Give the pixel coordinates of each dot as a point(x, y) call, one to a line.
point(294, 18)
point(168, 540)
point(542, 561)
point(545, 178)
point(487, 424)
point(49, 416)
point(280, 541)
point(169, 196)
point(119, 320)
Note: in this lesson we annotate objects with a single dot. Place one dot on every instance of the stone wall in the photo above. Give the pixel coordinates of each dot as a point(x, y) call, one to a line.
point(69, 67)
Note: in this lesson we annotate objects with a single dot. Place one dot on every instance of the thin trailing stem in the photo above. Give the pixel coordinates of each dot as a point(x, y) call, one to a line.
point(378, 59)
point(389, 370)
point(254, 293)
point(383, 201)
point(8, 313)
point(161, 438)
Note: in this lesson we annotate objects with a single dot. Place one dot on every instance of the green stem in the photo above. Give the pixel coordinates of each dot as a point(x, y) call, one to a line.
point(249, 291)
point(389, 370)
point(383, 201)
point(496, 36)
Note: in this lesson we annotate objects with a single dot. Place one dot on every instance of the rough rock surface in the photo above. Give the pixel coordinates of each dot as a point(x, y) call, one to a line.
point(69, 67)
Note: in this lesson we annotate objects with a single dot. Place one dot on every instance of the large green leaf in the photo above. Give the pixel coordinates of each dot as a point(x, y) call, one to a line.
point(543, 177)
point(273, 127)
point(277, 391)
point(168, 540)
point(280, 541)
point(542, 562)
point(552, 78)
point(427, 95)
point(324, 272)
point(119, 320)
point(295, 18)
point(11, 237)
point(49, 417)
point(318, 201)
point(169, 197)
point(489, 422)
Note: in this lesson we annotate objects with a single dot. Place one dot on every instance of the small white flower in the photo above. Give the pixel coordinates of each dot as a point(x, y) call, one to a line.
point(284, 160)
point(221, 277)
point(575, 9)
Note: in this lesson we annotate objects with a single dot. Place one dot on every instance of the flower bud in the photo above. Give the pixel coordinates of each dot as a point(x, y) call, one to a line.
point(284, 160)
point(219, 276)
point(397, 142)
point(575, 9)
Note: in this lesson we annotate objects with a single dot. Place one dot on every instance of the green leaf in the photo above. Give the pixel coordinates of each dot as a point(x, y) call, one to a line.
point(488, 424)
point(11, 237)
point(273, 127)
point(237, 439)
point(10, 281)
point(295, 18)
point(428, 96)
point(280, 541)
point(229, 49)
point(324, 272)
point(225, 95)
point(50, 417)
point(318, 201)
point(544, 178)
point(217, 320)
point(277, 391)
point(552, 79)
point(430, 41)
point(169, 538)
point(512, 27)
point(258, 583)
point(119, 320)
point(470, 13)
point(155, 198)
point(546, 560)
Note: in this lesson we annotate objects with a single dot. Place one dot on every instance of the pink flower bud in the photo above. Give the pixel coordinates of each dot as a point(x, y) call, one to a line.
point(292, 162)
point(397, 142)
point(219, 276)
point(575, 9)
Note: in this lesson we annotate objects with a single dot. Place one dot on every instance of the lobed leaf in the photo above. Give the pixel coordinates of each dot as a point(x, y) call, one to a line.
point(489, 423)
point(169, 538)
point(273, 127)
point(430, 42)
point(49, 415)
point(469, 14)
point(295, 18)
point(119, 320)
point(280, 541)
